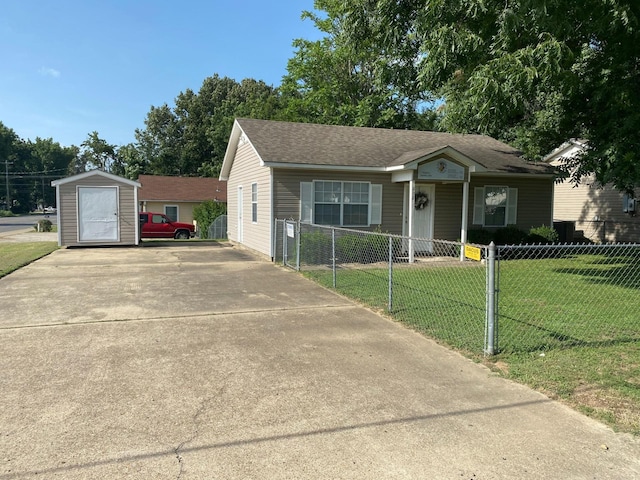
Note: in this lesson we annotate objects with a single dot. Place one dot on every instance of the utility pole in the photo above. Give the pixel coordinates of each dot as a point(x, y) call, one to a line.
point(6, 175)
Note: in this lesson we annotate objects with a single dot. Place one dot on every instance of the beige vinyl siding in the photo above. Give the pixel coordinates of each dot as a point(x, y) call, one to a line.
point(596, 211)
point(68, 211)
point(287, 193)
point(185, 209)
point(247, 170)
point(448, 211)
point(535, 199)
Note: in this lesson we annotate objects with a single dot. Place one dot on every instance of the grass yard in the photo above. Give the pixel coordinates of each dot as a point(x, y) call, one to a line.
point(569, 327)
point(16, 255)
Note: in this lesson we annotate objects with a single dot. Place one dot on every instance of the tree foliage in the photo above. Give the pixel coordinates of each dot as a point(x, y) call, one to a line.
point(191, 137)
point(534, 73)
point(97, 153)
point(32, 166)
point(336, 81)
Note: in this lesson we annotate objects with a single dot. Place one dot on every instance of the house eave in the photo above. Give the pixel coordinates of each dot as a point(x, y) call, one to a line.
point(307, 166)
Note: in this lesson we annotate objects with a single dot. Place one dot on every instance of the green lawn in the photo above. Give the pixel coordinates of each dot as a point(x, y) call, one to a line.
point(569, 327)
point(16, 255)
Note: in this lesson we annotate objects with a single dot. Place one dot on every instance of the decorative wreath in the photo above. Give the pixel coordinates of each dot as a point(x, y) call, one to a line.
point(421, 200)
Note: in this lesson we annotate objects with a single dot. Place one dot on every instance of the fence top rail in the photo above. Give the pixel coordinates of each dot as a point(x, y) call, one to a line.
point(386, 234)
point(570, 246)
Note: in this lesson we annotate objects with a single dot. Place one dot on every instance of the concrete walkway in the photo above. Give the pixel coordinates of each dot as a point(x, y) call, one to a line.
point(205, 362)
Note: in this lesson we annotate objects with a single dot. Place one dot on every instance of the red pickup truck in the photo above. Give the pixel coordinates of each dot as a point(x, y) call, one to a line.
point(158, 225)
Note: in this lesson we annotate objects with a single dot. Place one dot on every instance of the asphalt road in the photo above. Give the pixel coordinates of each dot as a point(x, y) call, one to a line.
point(9, 224)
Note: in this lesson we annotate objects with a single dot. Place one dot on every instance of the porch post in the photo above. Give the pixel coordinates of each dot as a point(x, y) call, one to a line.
point(412, 196)
point(465, 216)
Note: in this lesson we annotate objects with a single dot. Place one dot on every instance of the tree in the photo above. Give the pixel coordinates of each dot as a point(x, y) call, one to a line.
point(531, 72)
point(49, 160)
point(335, 81)
point(191, 138)
point(96, 153)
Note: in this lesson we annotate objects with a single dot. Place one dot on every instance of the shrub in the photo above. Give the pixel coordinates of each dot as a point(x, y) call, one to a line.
point(315, 248)
point(510, 235)
point(479, 236)
point(7, 213)
point(205, 213)
point(43, 225)
point(365, 248)
point(543, 234)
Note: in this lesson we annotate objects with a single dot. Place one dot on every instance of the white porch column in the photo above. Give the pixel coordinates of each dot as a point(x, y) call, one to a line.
point(465, 216)
point(412, 195)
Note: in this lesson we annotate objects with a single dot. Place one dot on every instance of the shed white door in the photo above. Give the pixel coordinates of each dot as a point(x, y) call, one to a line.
point(98, 214)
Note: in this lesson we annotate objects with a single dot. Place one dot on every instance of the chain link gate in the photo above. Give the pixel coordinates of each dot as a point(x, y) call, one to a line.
point(291, 244)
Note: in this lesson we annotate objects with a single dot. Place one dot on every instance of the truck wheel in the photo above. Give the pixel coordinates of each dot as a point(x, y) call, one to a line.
point(182, 235)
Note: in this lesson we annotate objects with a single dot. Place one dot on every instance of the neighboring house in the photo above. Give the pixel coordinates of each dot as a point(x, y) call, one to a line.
point(601, 213)
point(371, 178)
point(176, 197)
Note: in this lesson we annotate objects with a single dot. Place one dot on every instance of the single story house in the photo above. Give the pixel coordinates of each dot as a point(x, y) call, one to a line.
point(176, 197)
point(97, 208)
point(420, 184)
point(600, 213)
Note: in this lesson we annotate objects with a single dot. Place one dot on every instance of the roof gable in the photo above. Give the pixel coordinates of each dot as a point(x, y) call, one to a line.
point(181, 189)
point(92, 173)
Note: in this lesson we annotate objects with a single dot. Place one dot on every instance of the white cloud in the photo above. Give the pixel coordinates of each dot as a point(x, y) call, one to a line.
point(49, 72)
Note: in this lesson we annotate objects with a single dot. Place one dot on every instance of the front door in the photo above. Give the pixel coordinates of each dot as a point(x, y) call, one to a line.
point(98, 214)
point(422, 205)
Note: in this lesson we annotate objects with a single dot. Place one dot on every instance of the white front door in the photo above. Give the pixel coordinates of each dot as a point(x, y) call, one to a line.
point(422, 205)
point(98, 214)
point(240, 215)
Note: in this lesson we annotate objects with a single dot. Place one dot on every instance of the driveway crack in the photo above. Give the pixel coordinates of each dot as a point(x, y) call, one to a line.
point(195, 419)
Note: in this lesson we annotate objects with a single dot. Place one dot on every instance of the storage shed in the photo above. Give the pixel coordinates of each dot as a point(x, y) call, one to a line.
point(97, 208)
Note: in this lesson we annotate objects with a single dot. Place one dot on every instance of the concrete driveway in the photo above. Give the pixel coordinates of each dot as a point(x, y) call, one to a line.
point(205, 362)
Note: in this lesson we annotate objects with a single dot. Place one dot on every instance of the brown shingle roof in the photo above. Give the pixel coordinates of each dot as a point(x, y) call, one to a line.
point(181, 189)
point(314, 144)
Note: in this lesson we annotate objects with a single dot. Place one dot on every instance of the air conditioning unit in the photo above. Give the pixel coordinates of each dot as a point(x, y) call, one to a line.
point(628, 204)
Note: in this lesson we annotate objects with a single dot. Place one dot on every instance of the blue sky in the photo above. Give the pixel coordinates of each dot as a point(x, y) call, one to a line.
point(69, 67)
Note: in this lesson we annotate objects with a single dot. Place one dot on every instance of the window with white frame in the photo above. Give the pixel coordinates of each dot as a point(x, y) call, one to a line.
point(354, 204)
point(495, 206)
point(254, 202)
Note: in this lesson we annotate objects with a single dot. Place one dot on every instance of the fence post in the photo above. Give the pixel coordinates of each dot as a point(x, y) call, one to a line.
point(390, 274)
point(284, 242)
point(333, 255)
point(297, 230)
point(490, 347)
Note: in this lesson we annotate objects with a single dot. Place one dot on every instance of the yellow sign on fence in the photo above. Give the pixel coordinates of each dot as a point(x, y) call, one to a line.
point(472, 252)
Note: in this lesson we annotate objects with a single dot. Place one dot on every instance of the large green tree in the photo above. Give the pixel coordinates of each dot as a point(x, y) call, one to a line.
point(30, 167)
point(337, 81)
point(97, 153)
point(531, 72)
point(191, 137)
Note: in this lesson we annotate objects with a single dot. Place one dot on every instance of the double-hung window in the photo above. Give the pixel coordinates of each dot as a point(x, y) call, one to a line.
point(254, 202)
point(495, 206)
point(353, 204)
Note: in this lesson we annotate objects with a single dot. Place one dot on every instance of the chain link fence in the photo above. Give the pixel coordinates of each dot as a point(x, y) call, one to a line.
point(420, 282)
point(563, 296)
point(514, 299)
point(218, 228)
